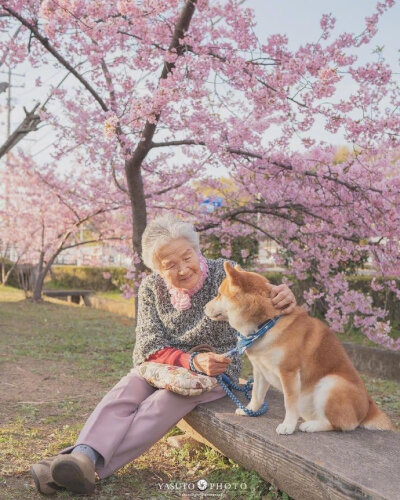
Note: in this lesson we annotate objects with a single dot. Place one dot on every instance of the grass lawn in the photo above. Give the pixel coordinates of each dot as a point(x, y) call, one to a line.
point(114, 295)
point(56, 362)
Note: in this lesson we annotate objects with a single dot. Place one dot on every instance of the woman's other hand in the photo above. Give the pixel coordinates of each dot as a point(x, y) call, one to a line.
point(283, 298)
point(211, 363)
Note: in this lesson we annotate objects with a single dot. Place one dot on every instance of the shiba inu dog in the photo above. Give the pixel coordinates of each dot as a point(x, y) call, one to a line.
point(300, 356)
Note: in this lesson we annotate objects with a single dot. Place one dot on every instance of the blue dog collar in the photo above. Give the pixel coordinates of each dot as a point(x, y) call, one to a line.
point(245, 341)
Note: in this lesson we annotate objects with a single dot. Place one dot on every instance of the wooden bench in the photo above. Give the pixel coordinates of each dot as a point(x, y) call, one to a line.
point(324, 465)
point(75, 296)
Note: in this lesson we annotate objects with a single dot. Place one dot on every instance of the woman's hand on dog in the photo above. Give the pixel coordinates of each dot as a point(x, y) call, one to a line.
point(211, 363)
point(283, 298)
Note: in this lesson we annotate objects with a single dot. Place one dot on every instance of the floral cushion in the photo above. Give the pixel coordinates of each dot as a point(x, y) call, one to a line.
point(175, 378)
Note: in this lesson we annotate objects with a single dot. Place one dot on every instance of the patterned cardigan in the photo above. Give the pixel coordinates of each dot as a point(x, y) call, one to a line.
point(160, 325)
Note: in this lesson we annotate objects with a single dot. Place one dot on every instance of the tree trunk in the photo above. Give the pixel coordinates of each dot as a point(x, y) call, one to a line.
point(3, 272)
point(4, 252)
point(133, 165)
point(4, 278)
point(37, 291)
point(41, 275)
point(28, 124)
point(139, 217)
point(39, 278)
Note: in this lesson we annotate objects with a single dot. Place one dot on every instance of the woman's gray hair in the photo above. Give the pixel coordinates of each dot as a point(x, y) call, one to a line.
point(161, 231)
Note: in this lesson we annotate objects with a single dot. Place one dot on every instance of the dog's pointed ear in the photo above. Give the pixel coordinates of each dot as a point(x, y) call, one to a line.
point(231, 273)
point(228, 268)
point(268, 287)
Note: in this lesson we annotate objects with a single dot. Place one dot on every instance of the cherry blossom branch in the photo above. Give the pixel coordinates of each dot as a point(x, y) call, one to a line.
point(28, 124)
point(97, 240)
point(258, 228)
point(182, 142)
point(8, 48)
point(149, 128)
point(165, 190)
point(49, 47)
point(249, 154)
point(114, 175)
point(232, 215)
point(265, 84)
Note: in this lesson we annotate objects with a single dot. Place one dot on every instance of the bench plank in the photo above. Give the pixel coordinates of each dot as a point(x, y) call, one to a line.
point(336, 465)
point(64, 293)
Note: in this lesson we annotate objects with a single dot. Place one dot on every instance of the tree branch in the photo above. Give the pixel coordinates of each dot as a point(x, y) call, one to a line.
point(47, 45)
point(267, 85)
point(8, 49)
point(183, 142)
point(114, 174)
point(181, 27)
point(98, 240)
point(28, 124)
point(165, 190)
point(250, 154)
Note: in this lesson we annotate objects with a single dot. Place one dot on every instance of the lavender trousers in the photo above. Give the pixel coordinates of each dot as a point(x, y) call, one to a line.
point(132, 417)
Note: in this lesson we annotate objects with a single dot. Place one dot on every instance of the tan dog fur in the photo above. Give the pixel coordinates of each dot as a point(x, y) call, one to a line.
point(300, 356)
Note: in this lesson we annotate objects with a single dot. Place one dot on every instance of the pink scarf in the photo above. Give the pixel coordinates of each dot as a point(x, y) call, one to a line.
point(180, 297)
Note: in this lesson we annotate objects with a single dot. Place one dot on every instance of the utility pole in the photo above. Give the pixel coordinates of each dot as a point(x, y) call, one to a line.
point(7, 86)
point(9, 103)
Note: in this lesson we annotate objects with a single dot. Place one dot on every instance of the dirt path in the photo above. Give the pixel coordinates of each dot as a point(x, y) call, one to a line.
point(43, 408)
point(40, 383)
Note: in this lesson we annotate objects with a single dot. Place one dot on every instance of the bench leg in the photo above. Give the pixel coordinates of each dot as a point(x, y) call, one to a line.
point(86, 300)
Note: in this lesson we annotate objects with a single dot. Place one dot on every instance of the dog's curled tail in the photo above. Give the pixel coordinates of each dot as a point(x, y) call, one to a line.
point(376, 419)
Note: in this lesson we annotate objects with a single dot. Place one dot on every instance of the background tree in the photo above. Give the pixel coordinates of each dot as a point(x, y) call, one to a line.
point(46, 215)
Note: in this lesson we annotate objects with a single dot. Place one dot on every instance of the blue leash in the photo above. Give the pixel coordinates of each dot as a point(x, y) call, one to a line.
point(244, 342)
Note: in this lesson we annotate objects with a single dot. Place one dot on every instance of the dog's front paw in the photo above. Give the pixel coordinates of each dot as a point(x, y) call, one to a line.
point(240, 411)
point(286, 428)
point(250, 406)
point(315, 426)
point(306, 427)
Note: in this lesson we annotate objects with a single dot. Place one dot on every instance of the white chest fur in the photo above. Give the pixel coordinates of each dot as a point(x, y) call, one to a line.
point(267, 361)
point(266, 357)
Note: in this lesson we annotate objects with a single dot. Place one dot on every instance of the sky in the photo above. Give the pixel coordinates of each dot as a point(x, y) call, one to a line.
point(298, 19)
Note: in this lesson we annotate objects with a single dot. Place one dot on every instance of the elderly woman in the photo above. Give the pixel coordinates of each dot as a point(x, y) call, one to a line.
point(134, 415)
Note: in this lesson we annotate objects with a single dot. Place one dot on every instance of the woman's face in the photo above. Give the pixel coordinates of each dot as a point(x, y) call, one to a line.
point(179, 264)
